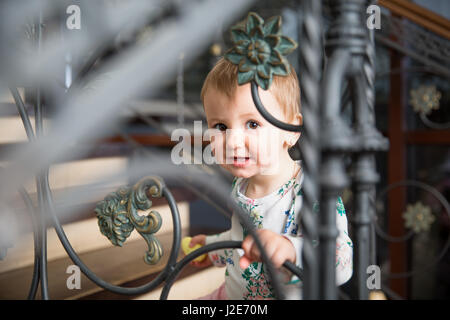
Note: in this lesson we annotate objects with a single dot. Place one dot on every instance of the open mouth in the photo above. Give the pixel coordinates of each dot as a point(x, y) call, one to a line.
point(240, 161)
point(243, 159)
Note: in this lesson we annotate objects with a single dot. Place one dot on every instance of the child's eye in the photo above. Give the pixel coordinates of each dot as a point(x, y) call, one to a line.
point(220, 126)
point(252, 124)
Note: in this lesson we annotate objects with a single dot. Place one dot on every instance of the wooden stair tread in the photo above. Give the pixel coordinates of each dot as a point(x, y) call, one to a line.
point(193, 286)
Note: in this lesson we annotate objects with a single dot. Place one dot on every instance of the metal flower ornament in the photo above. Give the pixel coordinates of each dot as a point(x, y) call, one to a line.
point(418, 217)
point(425, 99)
point(260, 50)
point(118, 215)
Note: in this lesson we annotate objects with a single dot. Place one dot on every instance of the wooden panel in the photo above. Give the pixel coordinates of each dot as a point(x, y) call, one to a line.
point(197, 285)
point(429, 137)
point(397, 172)
point(420, 15)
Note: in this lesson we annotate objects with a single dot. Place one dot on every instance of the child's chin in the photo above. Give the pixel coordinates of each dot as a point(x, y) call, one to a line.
point(239, 172)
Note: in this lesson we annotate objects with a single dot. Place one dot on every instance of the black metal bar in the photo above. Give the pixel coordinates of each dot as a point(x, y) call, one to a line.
point(365, 175)
point(267, 115)
point(365, 178)
point(311, 70)
point(182, 263)
point(40, 178)
point(176, 242)
point(23, 113)
point(334, 139)
point(27, 200)
point(43, 245)
point(36, 241)
point(362, 191)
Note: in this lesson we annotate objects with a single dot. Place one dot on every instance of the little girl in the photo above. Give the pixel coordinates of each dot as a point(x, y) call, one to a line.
point(267, 184)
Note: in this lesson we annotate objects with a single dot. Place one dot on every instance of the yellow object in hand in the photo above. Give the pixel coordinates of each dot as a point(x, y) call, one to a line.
point(186, 249)
point(377, 295)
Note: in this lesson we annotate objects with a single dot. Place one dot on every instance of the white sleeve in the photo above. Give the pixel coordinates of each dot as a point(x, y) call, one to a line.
point(297, 242)
point(344, 247)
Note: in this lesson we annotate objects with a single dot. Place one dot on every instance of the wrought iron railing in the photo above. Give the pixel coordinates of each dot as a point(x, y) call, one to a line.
point(326, 139)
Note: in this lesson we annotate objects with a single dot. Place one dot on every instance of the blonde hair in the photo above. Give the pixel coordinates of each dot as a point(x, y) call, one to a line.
point(286, 90)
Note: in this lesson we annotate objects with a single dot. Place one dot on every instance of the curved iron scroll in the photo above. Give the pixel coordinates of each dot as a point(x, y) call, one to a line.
point(144, 288)
point(383, 235)
point(267, 115)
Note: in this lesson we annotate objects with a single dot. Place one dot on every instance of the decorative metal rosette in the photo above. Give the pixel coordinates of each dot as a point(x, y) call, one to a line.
point(424, 99)
point(118, 216)
point(112, 214)
point(418, 217)
point(260, 50)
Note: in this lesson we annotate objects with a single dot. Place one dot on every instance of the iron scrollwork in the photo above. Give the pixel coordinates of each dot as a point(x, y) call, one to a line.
point(118, 215)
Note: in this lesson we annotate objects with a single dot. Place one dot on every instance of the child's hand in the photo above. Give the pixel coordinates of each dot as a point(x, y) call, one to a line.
point(278, 249)
point(199, 239)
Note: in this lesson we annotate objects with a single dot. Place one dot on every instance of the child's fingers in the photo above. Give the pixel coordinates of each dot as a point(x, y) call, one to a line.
point(278, 259)
point(271, 250)
point(254, 252)
point(251, 250)
point(198, 239)
point(244, 262)
point(200, 264)
point(193, 242)
point(247, 245)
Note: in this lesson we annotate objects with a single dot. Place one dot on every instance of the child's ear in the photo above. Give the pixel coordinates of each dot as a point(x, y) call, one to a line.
point(298, 120)
point(292, 137)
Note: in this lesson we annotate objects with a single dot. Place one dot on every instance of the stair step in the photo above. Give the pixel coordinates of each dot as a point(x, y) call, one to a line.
point(191, 287)
point(161, 108)
point(83, 172)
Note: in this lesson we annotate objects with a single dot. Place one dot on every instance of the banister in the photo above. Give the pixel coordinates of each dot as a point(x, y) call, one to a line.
point(419, 15)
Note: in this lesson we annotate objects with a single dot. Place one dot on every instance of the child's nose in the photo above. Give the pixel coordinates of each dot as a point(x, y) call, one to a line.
point(235, 138)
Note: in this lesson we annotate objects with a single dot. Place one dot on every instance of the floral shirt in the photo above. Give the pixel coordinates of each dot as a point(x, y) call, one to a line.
point(278, 212)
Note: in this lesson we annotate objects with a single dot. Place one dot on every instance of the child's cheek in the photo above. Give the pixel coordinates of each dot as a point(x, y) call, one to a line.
point(268, 141)
point(217, 149)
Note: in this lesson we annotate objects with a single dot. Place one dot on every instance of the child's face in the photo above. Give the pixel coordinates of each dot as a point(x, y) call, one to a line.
point(246, 144)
